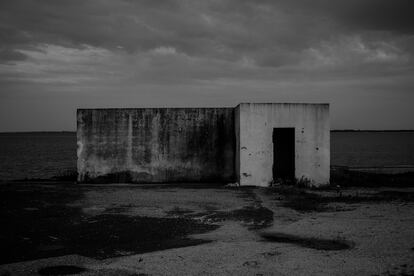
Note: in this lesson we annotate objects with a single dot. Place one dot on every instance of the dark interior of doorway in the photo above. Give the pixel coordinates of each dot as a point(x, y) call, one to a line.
point(284, 154)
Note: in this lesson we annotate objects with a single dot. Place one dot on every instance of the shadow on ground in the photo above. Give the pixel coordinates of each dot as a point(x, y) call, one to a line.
point(311, 200)
point(61, 270)
point(37, 221)
point(349, 178)
point(308, 242)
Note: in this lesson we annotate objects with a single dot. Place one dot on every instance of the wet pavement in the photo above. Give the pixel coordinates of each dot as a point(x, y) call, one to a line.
point(49, 220)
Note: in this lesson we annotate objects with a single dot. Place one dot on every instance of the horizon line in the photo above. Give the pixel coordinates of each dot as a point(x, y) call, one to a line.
point(332, 130)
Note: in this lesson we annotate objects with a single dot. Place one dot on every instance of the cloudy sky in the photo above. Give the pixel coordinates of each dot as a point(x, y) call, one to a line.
point(56, 56)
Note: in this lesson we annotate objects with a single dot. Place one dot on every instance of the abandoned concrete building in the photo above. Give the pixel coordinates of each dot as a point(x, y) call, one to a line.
point(252, 144)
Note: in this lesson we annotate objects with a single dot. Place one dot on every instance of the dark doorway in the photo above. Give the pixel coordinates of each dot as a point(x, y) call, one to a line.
point(284, 153)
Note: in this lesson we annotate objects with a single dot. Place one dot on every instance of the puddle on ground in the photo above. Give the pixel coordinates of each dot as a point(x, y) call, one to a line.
point(110, 234)
point(61, 228)
point(314, 243)
point(61, 270)
point(104, 236)
point(251, 216)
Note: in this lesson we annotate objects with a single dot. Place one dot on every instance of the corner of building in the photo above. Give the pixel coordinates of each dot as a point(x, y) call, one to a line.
point(237, 144)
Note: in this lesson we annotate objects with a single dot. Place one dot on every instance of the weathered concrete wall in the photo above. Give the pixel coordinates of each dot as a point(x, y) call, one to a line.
point(156, 145)
point(312, 141)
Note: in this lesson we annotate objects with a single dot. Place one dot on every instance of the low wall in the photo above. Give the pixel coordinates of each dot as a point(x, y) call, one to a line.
point(155, 145)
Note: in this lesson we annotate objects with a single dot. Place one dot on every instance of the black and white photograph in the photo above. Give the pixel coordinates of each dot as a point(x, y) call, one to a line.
point(207, 137)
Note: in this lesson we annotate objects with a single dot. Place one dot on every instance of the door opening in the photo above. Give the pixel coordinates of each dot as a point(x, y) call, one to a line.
point(284, 154)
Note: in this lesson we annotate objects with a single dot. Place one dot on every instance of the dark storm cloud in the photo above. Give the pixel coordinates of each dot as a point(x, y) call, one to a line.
point(382, 15)
point(7, 55)
point(263, 33)
point(207, 51)
point(271, 32)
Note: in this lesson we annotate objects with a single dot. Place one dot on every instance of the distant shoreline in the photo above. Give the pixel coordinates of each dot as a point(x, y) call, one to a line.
point(333, 130)
point(379, 130)
point(37, 132)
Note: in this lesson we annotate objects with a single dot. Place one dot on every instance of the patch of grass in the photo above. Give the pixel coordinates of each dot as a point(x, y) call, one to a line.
point(300, 183)
point(67, 175)
point(119, 177)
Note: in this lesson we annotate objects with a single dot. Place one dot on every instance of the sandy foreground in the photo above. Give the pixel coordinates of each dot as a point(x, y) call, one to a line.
point(205, 230)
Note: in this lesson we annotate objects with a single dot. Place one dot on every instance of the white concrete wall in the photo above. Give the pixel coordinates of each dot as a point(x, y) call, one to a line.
point(255, 144)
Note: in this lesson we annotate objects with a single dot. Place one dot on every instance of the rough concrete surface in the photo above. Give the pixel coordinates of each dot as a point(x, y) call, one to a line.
point(173, 145)
point(255, 145)
point(379, 230)
point(156, 145)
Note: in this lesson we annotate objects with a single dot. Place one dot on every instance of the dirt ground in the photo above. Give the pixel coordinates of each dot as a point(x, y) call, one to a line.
point(56, 229)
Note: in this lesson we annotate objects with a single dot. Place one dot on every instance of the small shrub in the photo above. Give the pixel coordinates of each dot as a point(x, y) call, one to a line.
point(67, 175)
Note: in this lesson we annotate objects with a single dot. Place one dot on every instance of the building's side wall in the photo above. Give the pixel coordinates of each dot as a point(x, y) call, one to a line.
point(156, 145)
point(312, 141)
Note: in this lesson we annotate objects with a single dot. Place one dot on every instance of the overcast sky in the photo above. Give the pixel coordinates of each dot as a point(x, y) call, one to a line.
point(56, 56)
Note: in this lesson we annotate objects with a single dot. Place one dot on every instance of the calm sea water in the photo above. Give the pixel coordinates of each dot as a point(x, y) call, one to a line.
point(372, 149)
point(36, 155)
point(44, 155)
